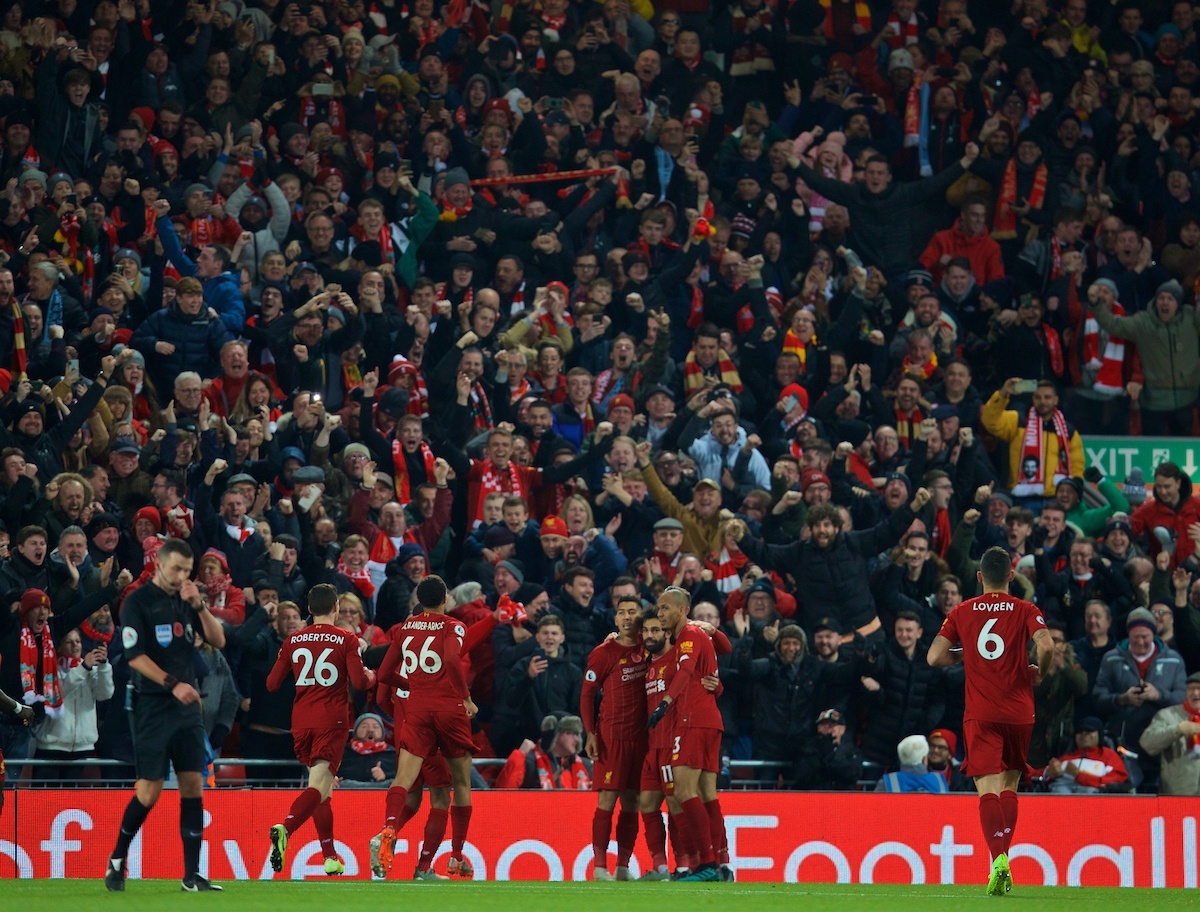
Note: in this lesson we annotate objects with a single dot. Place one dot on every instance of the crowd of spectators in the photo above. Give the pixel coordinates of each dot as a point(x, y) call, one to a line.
point(796, 305)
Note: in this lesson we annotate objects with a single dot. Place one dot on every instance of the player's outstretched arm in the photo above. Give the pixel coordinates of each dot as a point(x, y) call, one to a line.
point(942, 653)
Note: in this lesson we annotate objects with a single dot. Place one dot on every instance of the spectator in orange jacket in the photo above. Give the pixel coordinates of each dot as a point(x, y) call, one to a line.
point(967, 237)
point(553, 763)
point(1089, 768)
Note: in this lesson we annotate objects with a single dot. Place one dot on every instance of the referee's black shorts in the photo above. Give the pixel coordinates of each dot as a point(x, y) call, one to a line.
point(165, 732)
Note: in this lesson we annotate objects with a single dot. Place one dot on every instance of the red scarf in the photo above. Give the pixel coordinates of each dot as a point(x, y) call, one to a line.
point(360, 578)
point(1050, 339)
point(481, 409)
point(1109, 366)
point(726, 569)
point(95, 635)
point(518, 392)
point(1193, 741)
point(334, 113)
point(368, 747)
point(939, 540)
point(696, 314)
point(400, 467)
point(454, 213)
point(1055, 258)
point(384, 237)
point(907, 425)
point(51, 694)
point(491, 481)
point(571, 776)
point(792, 344)
point(1033, 450)
point(1004, 224)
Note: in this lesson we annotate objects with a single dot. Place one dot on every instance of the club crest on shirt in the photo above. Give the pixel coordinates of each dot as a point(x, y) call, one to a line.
point(590, 676)
point(162, 634)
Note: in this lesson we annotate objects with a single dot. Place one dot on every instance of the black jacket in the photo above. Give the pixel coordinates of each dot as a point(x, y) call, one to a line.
point(909, 701)
point(784, 701)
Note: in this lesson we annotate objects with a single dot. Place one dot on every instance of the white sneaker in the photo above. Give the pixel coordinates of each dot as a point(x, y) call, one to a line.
point(601, 874)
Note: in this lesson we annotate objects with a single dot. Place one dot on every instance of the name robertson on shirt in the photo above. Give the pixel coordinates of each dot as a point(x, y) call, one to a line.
point(316, 638)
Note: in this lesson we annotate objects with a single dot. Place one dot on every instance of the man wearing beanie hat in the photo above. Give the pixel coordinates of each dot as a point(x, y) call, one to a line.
point(1167, 341)
point(943, 744)
point(1137, 678)
point(553, 762)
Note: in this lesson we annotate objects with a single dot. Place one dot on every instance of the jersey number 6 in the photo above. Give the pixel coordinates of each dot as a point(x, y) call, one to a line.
point(321, 672)
point(989, 644)
point(428, 661)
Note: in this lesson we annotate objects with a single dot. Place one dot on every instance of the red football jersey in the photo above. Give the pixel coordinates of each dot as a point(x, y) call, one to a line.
point(659, 675)
point(323, 659)
point(431, 647)
point(994, 631)
point(695, 658)
point(618, 672)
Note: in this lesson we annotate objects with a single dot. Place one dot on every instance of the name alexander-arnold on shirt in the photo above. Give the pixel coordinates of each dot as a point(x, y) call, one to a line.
point(424, 625)
point(316, 638)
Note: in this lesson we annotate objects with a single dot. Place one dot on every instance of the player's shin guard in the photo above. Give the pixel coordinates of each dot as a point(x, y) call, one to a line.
point(695, 820)
point(191, 828)
point(435, 831)
point(656, 837)
point(601, 828)
point(131, 821)
point(991, 817)
point(716, 830)
point(302, 808)
point(322, 818)
point(1008, 808)
point(460, 822)
point(394, 807)
point(627, 830)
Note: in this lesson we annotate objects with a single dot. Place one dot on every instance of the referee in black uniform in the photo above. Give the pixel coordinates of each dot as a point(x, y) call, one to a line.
point(157, 623)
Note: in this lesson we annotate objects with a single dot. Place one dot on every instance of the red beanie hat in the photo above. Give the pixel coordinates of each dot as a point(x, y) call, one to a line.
point(948, 736)
point(151, 515)
point(554, 525)
point(33, 598)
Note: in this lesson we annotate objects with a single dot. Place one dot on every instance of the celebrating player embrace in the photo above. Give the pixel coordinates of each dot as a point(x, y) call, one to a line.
point(990, 636)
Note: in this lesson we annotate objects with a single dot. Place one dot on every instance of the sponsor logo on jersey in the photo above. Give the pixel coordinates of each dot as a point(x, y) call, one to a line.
point(590, 676)
point(162, 634)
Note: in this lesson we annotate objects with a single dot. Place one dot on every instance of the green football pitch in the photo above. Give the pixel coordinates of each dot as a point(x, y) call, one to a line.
point(322, 896)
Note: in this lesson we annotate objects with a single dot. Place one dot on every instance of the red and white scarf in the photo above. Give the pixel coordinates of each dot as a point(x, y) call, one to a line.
point(1110, 366)
point(1004, 224)
point(418, 396)
point(905, 33)
point(726, 569)
point(400, 470)
point(491, 481)
point(361, 578)
point(384, 237)
point(518, 301)
point(481, 409)
point(383, 549)
point(44, 664)
point(1033, 450)
point(367, 747)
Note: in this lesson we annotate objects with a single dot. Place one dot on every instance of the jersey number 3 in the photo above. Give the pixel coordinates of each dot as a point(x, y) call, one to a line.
point(321, 672)
point(989, 644)
point(428, 661)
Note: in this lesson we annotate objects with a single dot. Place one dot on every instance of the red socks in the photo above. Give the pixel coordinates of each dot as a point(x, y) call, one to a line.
point(460, 820)
point(435, 830)
point(302, 808)
point(601, 828)
point(696, 831)
point(716, 830)
point(322, 818)
point(656, 836)
point(1008, 807)
point(991, 817)
point(627, 830)
point(394, 807)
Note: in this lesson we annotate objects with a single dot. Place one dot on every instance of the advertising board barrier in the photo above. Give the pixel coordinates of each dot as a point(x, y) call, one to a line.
point(791, 837)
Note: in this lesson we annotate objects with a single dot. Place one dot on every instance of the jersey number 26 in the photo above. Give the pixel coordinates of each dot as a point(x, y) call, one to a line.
point(321, 672)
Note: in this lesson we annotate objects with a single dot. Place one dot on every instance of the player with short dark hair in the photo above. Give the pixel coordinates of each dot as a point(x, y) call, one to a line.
point(158, 620)
point(438, 717)
point(696, 745)
point(990, 635)
point(616, 738)
point(322, 658)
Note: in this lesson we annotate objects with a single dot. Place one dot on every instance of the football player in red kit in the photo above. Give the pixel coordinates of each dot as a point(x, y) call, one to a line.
point(616, 741)
point(696, 737)
point(324, 659)
point(438, 717)
point(990, 636)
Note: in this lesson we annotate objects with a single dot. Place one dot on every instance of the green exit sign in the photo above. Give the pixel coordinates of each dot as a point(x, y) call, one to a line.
point(1116, 456)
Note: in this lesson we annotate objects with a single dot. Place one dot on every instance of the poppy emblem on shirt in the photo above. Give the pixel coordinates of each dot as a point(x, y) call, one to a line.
point(177, 629)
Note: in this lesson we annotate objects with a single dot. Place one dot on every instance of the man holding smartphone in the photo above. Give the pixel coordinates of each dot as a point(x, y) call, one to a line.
point(1044, 448)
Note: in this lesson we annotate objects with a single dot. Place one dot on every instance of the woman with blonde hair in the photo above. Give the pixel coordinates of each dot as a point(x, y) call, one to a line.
point(351, 611)
point(577, 514)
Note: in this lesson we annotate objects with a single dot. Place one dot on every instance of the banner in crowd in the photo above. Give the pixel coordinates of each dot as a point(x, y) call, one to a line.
point(1115, 456)
point(791, 837)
